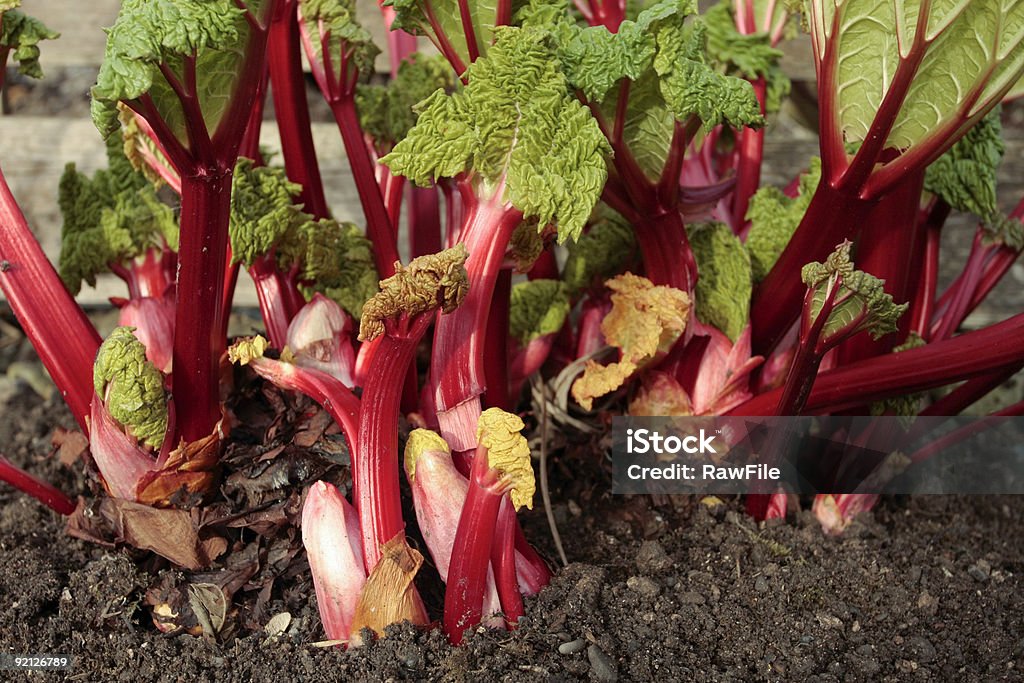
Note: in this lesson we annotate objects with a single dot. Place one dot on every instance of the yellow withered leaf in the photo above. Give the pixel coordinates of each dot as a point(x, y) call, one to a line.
point(508, 452)
point(645, 320)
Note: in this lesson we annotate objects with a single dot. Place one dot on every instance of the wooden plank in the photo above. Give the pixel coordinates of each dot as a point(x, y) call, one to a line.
point(82, 38)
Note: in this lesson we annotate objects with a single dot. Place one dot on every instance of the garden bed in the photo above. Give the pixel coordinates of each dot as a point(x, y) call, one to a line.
point(921, 589)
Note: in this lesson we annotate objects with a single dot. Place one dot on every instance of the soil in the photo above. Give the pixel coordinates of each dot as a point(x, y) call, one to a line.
point(921, 589)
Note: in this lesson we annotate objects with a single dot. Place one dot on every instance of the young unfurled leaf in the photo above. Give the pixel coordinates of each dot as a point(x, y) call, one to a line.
point(109, 219)
point(645, 320)
point(537, 308)
point(131, 387)
point(859, 301)
point(337, 261)
point(600, 253)
point(724, 286)
point(517, 130)
point(508, 453)
point(329, 257)
point(262, 211)
point(20, 34)
point(427, 283)
point(965, 176)
point(774, 218)
point(386, 111)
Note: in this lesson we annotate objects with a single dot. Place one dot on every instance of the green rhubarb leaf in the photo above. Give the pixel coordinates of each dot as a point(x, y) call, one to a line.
point(600, 253)
point(538, 308)
point(131, 387)
point(151, 33)
point(965, 176)
point(749, 55)
point(970, 56)
point(386, 111)
point(109, 219)
point(337, 262)
point(519, 132)
point(336, 19)
point(722, 297)
point(859, 304)
point(263, 212)
point(1004, 231)
point(21, 34)
point(774, 218)
point(691, 87)
point(410, 16)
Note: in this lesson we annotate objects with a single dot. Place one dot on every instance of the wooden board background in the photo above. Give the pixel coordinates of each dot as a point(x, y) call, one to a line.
point(37, 140)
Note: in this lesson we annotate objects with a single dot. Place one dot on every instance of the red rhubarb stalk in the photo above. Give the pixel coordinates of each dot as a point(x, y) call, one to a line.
point(292, 110)
point(501, 467)
point(55, 325)
point(396, 318)
point(46, 493)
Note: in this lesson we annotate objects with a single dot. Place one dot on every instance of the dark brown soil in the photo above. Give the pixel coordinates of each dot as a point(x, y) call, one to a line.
point(923, 589)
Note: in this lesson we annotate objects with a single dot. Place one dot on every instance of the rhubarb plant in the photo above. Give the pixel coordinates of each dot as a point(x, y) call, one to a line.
point(581, 185)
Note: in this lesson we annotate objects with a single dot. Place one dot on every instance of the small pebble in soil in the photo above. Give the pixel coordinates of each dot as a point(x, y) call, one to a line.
point(920, 648)
point(980, 570)
point(604, 668)
point(761, 584)
point(643, 585)
point(691, 598)
point(572, 647)
point(652, 557)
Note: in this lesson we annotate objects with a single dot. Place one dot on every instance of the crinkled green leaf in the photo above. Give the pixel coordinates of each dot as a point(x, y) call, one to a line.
point(21, 34)
point(965, 176)
point(538, 308)
point(263, 211)
point(860, 304)
point(1004, 230)
point(973, 55)
point(648, 125)
point(600, 253)
point(749, 55)
point(722, 297)
point(148, 33)
point(347, 36)
point(386, 111)
point(338, 262)
point(131, 387)
point(691, 87)
point(774, 218)
point(410, 15)
point(514, 127)
point(110, 218)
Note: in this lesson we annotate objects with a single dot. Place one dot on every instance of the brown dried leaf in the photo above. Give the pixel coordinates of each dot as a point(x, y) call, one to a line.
point(172, 534)
point(70, 445)
point(390, 594)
